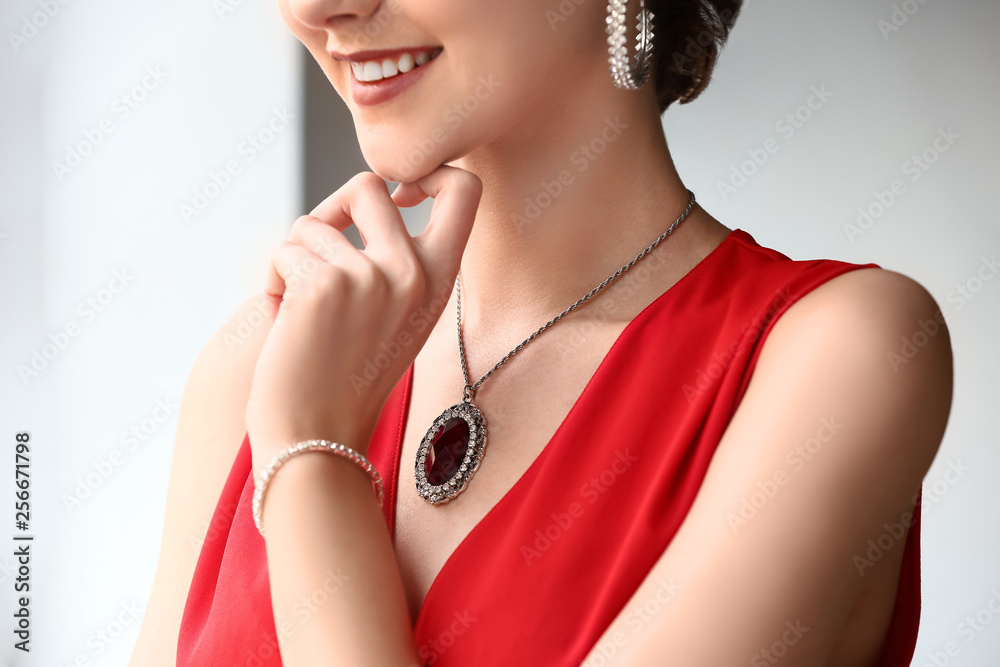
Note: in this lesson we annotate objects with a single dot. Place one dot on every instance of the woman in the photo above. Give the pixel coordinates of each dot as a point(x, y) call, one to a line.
point(716, 461)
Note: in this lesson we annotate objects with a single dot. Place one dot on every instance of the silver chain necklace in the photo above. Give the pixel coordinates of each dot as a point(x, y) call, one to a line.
point(453, 448)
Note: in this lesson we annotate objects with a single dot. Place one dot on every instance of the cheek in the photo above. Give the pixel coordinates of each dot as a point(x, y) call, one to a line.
point(503, 62)
point(463, 109)
point(528, 59)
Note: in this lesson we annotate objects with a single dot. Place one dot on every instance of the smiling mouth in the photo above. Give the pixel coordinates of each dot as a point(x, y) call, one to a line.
point(392, 64)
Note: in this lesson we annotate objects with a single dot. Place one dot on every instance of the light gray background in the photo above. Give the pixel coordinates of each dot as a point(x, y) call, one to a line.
point(226, 71)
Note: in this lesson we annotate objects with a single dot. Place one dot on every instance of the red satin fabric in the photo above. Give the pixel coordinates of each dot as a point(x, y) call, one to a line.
point(550, 566)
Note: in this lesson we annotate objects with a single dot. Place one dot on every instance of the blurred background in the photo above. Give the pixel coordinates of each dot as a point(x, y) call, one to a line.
point(153, 154)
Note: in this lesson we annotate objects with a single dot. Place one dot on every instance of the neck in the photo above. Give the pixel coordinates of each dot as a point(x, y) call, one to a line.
point(567, 205)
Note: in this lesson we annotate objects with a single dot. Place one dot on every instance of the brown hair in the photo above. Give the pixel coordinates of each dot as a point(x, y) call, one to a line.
point(688, 36)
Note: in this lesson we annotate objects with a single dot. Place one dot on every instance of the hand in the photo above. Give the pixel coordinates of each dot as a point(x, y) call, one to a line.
point(336, 305)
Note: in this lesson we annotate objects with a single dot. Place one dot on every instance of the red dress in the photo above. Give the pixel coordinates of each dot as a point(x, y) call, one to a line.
point(539, 579)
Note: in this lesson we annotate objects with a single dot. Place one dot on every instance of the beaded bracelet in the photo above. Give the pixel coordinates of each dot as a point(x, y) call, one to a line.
point(311, 446)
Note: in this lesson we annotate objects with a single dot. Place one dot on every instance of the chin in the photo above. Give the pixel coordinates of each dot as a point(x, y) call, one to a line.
point(402, 166)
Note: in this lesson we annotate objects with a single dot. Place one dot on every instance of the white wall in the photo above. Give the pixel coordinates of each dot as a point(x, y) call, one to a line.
point(891, 92)
point(219, 78)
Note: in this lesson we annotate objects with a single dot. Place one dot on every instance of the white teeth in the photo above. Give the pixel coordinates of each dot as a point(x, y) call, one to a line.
point(373, 71)
point(376, 71)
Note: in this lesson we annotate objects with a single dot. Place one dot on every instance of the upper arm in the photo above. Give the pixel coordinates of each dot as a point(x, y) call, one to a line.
point(834, 435)
point(210, 430)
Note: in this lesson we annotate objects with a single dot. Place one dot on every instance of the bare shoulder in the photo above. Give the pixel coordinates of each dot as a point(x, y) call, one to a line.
point(875, 334)
point(210, 430)
point(866, 360)
point(828, 445)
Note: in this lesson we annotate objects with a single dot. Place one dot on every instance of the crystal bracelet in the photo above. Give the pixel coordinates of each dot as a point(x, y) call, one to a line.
point(311, 446)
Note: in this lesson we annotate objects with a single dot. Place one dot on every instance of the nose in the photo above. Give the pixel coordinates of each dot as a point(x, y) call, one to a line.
point(325, 14)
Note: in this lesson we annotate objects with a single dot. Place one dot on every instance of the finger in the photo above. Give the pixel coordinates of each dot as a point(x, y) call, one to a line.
point(407, 195)
point(290, 264)
point(364, 201)
point(456, 194)
point(322, 239)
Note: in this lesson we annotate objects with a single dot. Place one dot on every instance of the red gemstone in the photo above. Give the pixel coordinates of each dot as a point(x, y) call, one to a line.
point(447, 451)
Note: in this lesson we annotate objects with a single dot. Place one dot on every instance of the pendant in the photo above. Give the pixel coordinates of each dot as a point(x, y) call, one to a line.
point(450, 453)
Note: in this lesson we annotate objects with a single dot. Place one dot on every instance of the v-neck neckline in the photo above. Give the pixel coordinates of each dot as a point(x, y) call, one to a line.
point(521, 484)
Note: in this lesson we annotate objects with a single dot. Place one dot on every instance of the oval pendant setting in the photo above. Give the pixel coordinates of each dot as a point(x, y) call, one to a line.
point(450, 453)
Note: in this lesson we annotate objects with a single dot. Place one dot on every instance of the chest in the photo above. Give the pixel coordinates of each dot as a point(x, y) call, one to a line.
point(524, 402)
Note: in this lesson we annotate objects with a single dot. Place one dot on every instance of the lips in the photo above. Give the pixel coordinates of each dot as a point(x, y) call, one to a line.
point(377, 76)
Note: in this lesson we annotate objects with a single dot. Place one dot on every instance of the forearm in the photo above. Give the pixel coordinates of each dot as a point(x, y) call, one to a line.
point(336, 590)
